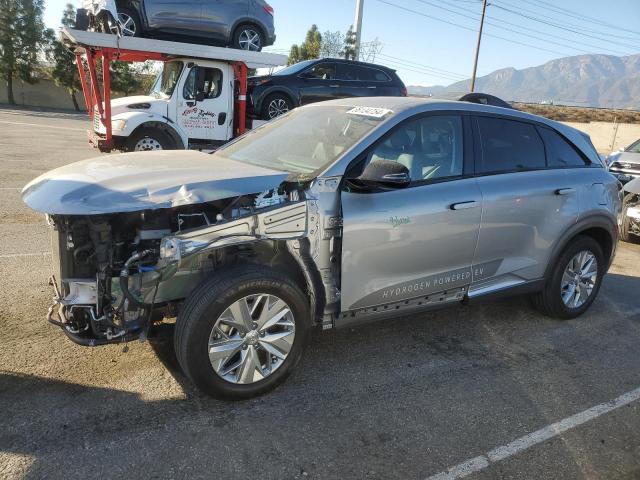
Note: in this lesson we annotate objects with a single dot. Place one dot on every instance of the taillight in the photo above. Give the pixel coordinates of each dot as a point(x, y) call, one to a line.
point(403, 92)
point(268, 8)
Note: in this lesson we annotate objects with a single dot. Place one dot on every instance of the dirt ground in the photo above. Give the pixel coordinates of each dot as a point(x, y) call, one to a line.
point(401, 399)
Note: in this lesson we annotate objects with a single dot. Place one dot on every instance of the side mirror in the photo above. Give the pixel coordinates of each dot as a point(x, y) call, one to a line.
point(386, 174)
point(200, 81)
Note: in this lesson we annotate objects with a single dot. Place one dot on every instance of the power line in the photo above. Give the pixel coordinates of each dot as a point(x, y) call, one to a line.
point(562, 27)
point(428, 67)
point(590, 30)
point(497, 25)
point(415, 12)
point(397, 65)
point(583, 18)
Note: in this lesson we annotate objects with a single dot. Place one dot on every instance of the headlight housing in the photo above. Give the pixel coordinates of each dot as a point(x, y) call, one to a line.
point(118, 124)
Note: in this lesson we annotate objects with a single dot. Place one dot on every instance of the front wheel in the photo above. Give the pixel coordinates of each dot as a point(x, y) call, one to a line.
point(241, 333)
point(149, 139)
point(276, 105)
point(574, 282)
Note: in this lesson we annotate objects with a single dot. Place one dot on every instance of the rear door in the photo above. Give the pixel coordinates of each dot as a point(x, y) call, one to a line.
point(211, 118)
point(411, 243)
point(183, 16)
point(362, 81)
point(318, 83)
point(527, 206)
point(219, 16)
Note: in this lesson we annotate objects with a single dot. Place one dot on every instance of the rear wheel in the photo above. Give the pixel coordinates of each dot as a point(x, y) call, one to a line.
point(241, 333)
point(248, 37)
point(149, 139)
point(574, 282)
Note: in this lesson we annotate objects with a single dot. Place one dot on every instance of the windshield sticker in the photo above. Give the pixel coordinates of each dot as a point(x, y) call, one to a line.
point(370, 111)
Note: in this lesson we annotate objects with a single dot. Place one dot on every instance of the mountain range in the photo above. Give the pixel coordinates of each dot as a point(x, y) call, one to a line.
point(585, 80)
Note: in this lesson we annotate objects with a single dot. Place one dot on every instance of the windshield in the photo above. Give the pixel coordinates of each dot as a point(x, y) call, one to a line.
point(634, 147)
point(307, 139)
point(167, 80)
point(295, 68)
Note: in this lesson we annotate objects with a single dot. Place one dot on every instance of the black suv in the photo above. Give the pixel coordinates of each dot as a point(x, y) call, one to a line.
point(317, 80)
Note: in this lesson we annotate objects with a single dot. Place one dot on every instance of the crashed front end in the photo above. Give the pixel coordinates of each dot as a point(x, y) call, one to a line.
point(116, 272)
point(631, 207)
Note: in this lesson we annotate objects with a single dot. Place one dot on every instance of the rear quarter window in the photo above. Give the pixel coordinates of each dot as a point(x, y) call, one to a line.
point(509, 146)
point(560, 153)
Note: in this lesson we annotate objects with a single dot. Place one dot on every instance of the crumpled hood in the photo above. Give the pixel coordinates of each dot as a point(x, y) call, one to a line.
point(138, 181)
point(624, 157)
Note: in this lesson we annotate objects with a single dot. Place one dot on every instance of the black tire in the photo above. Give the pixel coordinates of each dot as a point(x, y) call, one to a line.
point(153, 137)
point(82, 19)
point(549, 300)
point(279, 98)
point(238, 39)
point(126, 12)
point(207, 302)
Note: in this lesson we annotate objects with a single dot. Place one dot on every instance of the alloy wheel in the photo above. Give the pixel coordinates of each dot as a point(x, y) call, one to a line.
point(127, 26)
point(146, 144)
point(277, 107)
point(579, 279)
point(249, 39)
point(251, 339)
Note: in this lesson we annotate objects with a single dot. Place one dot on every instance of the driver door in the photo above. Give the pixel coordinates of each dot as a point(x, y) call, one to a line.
point(204, 106)
point(401, 244)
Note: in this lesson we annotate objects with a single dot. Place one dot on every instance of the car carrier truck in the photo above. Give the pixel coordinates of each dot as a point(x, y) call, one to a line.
point(198, 100)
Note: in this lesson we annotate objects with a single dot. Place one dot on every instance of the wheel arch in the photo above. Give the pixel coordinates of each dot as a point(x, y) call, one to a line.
point(601, 228)
point(247, 21)
point(165, 128)
point(277, 90)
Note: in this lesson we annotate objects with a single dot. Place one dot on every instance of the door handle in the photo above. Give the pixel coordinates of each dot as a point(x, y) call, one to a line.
point(565, 191)
point(464, 205)
point(334, 86)
point(372, 87)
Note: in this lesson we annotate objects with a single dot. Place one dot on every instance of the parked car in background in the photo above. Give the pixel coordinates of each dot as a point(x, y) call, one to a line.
point(625, 163)
point(630, 217)
point(337, 213)
point(244, 24)
point(317, 80)
point(485, 99)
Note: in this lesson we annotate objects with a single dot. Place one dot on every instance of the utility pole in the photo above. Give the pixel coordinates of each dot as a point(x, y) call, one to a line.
point(475, 62)
point(358, 25)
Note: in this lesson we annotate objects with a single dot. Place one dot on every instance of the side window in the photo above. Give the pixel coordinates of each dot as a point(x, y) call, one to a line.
point(430, 147)
point(322, 71)
point(509, 146)
point(560, 153)
point(380, 76)
point(212, 84)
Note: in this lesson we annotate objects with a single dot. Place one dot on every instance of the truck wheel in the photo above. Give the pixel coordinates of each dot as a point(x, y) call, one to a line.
point(242, 332)
point(574, 282)
point(148, 139)
point(248, 37)
point(276, 105)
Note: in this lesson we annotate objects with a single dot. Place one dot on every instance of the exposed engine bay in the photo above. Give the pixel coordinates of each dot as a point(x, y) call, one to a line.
point(113, 271)
point(631, 212)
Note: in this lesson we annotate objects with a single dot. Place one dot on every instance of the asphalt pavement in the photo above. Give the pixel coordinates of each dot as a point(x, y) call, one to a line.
point(492, 390)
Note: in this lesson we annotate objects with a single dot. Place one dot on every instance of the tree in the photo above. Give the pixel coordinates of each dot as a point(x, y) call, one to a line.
point(349, 50)
point(309, 49)
point(22, 34)
point(332, 44)
point(124, 78)
point(65, 71)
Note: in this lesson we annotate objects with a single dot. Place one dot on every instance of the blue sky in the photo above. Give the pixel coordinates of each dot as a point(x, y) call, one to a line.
point(424, 41)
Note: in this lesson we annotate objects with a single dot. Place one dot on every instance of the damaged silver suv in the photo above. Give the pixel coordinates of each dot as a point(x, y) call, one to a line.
point(336, 213)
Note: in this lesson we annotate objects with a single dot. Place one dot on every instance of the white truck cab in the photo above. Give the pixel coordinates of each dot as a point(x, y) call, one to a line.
point(198, 100)
point(191, 105)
